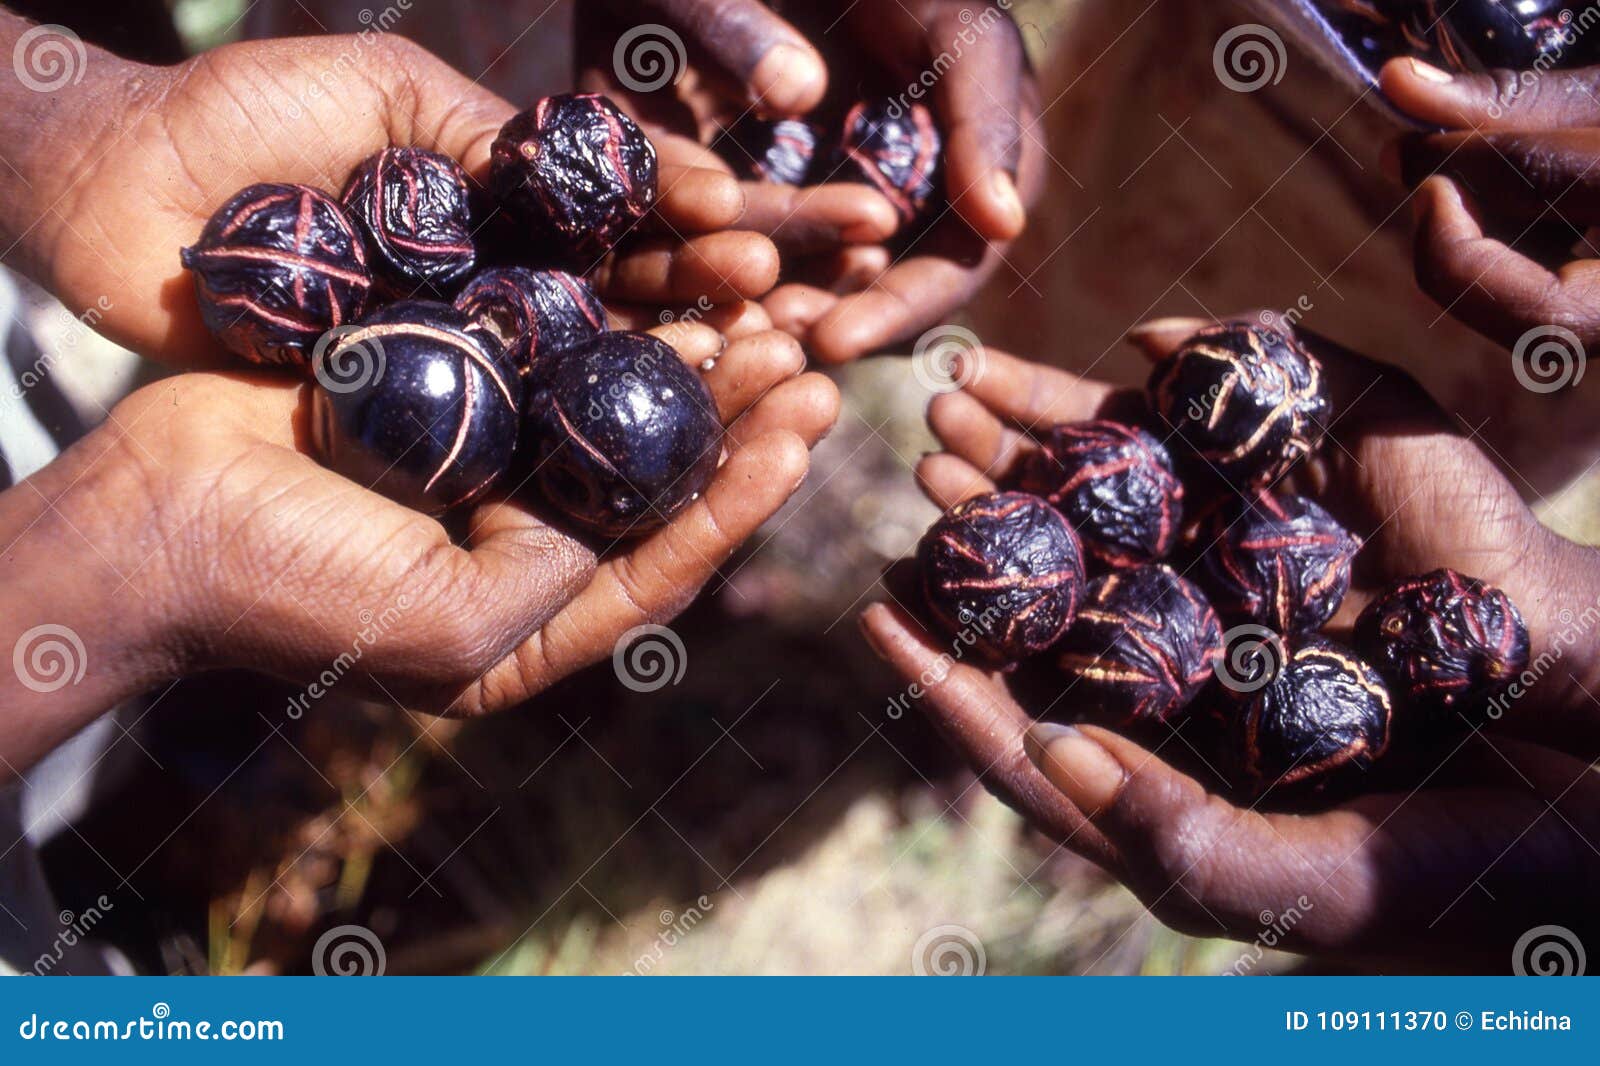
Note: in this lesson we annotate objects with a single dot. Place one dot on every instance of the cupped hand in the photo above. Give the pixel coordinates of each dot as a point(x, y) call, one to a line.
point(1493, 840)
point(847, 291)
point(244, 552)
point(1506, 196)
point(174, 143)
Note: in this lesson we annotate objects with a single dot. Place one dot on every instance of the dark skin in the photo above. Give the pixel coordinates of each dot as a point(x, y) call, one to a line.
point(1515, 162)
point(1498, 837)
point(846, 292)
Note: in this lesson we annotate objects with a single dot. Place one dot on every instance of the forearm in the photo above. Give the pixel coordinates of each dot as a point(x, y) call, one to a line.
point(53, 118)
point(83, 602)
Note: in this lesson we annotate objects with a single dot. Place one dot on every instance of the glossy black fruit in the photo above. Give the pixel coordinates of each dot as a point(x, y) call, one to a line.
point(1142, 648)
point(1115, 484)
point(414, 405)
point(1446, 643)
point(1324, 711)
point(577, 173)
point(1248, 401)
point(1003, 574)
point(895, 149)
point(275, 268)
point(532, 313)
point(621, 434)
point(1505, 34)
point(1280, 561)
point(411, 206)
point(763, 150)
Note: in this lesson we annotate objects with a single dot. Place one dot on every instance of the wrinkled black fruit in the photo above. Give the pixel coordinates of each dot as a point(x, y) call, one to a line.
point(275, 268)
point(412, 208)
point(532, 313)
point(621, 434)
point(779, 151)
point(1115, 484)
point(1002, 574)
point(1142, 647)
point(1280, 561)
point(577, 173)
point(415, 406)
point(895, 149)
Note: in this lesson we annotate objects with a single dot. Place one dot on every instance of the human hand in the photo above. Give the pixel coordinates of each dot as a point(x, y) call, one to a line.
point(1506, 196)
point(227, 545)
point(1494, 840)
point(847, 293)
point(137, 158)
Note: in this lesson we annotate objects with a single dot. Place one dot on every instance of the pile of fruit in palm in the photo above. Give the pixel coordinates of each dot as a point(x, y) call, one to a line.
point(1088, 568)
point(432, 376)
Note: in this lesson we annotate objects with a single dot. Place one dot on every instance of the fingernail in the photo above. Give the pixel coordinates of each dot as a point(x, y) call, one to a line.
point(871, 637)
point(1389, 162)
point(1428, 72)
point(1004, 191)
point(785, 79)
point(1159, 325)
point(1084, 771)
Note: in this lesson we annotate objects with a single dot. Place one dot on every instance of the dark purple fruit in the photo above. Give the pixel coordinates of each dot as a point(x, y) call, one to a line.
point(1248, 401)
point(1116, 486)
point(411, 206)
point(414, 405)
point(275, 268)
point(1280, 561)
point(763, 150)
point(1142, 647)
point(1003, 574)
point(1325, 710)
point(1446, 643)
point(532, 313)
point(894, 149)
point(577, 173)
point(621, 434)
point(1504, 34)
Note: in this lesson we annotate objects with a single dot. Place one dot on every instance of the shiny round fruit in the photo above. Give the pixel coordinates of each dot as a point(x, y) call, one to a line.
point(532, 313)
point(275, 268)
point(1280, 561)
point(577, 173)
point(1499, 34)
point(1323, 711)
point(1447, 644)
point(1115, 484)
point(1002, 574)
point(415, 406)
point(1142, 648)
point(894, 149)
point(763, 150)
point(1249, 402)
point(411, 206)
point(621, 434)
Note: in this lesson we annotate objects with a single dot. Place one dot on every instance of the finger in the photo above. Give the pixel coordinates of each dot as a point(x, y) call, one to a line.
point(796, 308)
point(654, 581)
point(948, 480)
point(913, 294)
point(697, 200)
point(1499, 99)
point(981, 102)
point(804, 220)
point(807, 406)
point(733, 321)
point(1527, 177)
point(970, 431)
point(696, 343)
point(846, 270)
point(676, 150)
point(719, 267)
point(747, 369)
point(980, 719)
point(1030, 394)
point(1485, 283)
point(782, 73)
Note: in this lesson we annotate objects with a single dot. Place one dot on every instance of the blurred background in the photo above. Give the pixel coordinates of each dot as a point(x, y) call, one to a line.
point(774, 811)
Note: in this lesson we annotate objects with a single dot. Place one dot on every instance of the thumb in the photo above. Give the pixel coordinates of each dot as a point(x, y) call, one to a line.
point(1496, 100)
point(782, 73)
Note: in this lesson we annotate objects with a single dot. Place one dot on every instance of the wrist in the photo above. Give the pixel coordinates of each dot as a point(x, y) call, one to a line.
point(85, 601)
point(1563, 674)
